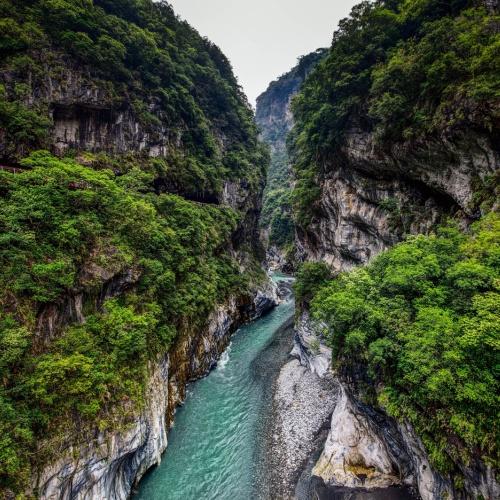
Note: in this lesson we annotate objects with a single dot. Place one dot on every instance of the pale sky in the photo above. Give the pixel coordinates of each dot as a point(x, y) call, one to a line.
point(263, 38)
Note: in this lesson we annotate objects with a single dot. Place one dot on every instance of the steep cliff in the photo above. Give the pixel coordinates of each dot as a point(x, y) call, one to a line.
point(274, 118)
point(130, 250)
point(409, 138)
point(397, 133)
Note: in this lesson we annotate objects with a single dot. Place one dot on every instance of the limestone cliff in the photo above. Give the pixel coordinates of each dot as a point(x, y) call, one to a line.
point(275, 120)
point(371, 196)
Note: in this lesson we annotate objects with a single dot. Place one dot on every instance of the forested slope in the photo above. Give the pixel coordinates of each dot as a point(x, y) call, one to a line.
point(130, 189)
point(397, 136)
point(275, 120)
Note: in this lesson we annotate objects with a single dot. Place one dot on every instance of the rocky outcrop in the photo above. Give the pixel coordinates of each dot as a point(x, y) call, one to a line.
point(372, 196)
point(309, 348)
point(273, 112)
point(355, 455)
point(111, 462)
point(365, 452)
point(87, 116)
point(479, 478)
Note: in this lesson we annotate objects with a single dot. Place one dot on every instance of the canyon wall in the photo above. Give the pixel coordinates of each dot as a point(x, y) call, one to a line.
point(384, 149)
point(372, 196)
point(125, 100)
point(275, 120)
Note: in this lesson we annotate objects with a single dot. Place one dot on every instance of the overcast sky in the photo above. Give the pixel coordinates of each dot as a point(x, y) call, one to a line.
point(263, 38)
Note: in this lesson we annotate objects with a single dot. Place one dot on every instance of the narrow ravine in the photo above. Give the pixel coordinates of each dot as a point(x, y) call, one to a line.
point(213, 447)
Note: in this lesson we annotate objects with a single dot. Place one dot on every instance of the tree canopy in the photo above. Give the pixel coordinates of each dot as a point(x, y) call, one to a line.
point(424, 320)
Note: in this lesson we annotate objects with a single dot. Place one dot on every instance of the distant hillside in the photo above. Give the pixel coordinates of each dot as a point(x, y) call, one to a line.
point(275, 120)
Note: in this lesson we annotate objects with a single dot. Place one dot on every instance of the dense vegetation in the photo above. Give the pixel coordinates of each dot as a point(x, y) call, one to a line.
point(401, 69)
point(63, 230)
point(423, 321)
point(100, 228)
point(273, 117)
point(138, 55)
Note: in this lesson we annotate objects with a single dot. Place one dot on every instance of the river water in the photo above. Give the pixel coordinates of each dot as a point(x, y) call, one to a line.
point(213, 448)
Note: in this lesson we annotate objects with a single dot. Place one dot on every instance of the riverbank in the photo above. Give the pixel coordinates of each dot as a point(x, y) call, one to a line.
point(297, 428)
point(211, 451)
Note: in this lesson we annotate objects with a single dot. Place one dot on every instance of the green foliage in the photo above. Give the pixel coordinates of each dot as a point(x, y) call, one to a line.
point(276, 207)
point(277, 216)
point(22, 125)
point(402, 70)
point(66, 229)
point(424, 319)
point(136, 54)
point(310, 277)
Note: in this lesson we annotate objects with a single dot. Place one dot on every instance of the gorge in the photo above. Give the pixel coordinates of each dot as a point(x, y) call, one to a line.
point(150, 346)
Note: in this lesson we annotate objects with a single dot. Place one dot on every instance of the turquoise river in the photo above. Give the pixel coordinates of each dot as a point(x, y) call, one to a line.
point(213, 447)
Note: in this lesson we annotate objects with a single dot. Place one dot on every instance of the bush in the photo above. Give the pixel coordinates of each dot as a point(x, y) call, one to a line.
point(63, 231)
point(310, 277)
point(423, 318)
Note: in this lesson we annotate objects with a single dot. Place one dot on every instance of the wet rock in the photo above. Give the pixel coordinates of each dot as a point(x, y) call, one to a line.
point(285, 288)
point(265, 300)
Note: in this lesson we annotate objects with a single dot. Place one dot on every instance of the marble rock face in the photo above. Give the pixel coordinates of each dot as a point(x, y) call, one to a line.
point(108, 466)
point(371, 197)
point(354, 455)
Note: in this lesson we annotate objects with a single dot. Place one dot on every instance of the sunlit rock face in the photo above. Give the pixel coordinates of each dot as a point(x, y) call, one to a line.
point(354, 455)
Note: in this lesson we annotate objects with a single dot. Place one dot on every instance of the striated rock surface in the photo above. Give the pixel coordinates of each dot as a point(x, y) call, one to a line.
point(366, 449)
point(370, 197)
point(309, 347)
point(364, 452)
point(479, 479)
point(112, 462)
point(354, 455)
